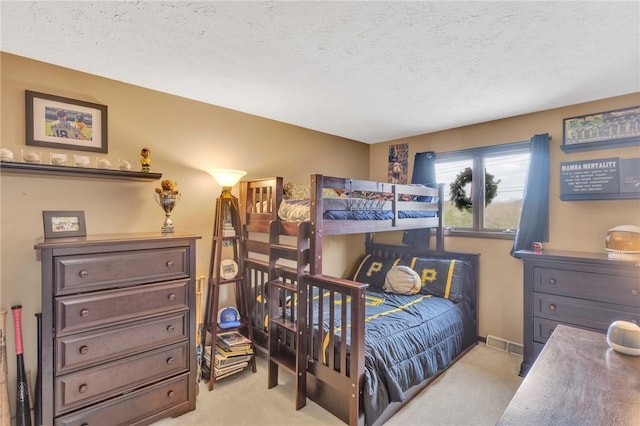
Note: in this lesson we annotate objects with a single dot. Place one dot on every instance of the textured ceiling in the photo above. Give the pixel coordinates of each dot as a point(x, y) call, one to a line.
point(369, 71)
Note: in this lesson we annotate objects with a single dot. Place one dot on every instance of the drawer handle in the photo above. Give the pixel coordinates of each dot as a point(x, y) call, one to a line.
point(634, 292)
point(83, 388)
point(170, 394)
point(84, 424)
point(170, 328)
point(170, 360)
point(84, 349)
point(84, 313)
point(172, 297)
point(170, 263)
point(552, 281)
point(552, 307)
point(84, 273)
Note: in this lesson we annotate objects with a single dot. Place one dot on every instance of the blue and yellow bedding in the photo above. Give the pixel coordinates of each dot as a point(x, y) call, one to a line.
point(408, 338)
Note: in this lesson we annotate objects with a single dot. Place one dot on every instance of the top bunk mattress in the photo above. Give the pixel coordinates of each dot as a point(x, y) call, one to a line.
point(345, 209)
point(353, 204)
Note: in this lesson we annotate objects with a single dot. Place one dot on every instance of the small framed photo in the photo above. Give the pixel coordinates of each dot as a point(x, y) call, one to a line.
point(63, 123)
point(228, 269)
point(61, 223)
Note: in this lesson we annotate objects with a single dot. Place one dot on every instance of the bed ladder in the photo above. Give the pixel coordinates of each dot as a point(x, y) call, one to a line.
point(287, 308)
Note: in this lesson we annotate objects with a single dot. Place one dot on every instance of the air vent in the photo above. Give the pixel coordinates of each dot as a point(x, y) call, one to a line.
point(504, 345)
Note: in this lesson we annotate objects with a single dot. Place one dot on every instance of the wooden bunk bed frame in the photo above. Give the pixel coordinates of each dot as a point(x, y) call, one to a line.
point(335, 384)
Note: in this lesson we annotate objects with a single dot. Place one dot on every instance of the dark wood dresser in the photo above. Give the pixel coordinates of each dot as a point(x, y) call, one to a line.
point(577, 380)
point(584, 290)
point(118, 328)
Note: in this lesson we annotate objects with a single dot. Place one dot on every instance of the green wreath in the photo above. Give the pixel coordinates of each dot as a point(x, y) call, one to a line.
point(459, 196)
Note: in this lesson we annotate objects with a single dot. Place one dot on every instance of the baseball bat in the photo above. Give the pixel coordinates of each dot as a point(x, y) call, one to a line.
point(5, 414)
point(23, 413)
point(37, 409)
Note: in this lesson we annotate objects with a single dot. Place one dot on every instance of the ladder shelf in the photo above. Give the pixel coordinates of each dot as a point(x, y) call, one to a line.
point(227, 269)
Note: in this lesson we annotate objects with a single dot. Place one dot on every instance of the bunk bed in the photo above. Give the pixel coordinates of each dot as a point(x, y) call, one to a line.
point(342, 337)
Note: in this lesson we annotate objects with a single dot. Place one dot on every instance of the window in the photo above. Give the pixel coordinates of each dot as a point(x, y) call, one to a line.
point(502, 186)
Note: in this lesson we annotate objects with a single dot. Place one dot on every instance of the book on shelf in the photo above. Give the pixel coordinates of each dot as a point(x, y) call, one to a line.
point(233, 353)
point(230, 368)
point(220, 351)
point(222, 360)
point(233, 341)
point(227, 373)
point(224, 371)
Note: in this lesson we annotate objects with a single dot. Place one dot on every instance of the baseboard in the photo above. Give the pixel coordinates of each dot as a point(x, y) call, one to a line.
point(504, 345)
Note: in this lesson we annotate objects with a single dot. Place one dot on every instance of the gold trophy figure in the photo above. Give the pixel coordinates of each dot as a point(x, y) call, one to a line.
point(167, 197)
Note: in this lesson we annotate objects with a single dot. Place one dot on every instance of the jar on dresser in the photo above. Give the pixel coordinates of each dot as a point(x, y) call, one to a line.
point(579, 289)
point(118, 328)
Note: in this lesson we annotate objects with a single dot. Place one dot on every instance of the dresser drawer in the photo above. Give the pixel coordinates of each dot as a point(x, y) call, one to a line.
point(542, 329)
point(80, 312)
point(84, 349)
point(135, 407)
point(587, 285)
point(108, 270)
point(95, 384)
point(582, 313)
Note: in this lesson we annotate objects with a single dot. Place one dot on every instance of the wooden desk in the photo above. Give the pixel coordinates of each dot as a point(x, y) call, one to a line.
point(577, 380)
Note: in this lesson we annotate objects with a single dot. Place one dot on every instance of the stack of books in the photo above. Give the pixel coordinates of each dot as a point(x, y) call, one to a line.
point(233, 353)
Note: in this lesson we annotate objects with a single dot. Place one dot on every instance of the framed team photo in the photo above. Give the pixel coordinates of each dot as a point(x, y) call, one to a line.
point(63, 123)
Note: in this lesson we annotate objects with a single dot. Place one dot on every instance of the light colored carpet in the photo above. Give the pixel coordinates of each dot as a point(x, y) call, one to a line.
point(475, 391)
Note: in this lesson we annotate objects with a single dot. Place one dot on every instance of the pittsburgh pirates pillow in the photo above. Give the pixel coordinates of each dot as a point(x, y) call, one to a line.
point(442, 277)
point(373, 271)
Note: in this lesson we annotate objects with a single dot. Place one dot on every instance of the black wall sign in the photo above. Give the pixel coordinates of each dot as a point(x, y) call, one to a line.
point(604, 178)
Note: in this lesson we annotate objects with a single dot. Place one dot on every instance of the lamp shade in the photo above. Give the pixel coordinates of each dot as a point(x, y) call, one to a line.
point(226, 177)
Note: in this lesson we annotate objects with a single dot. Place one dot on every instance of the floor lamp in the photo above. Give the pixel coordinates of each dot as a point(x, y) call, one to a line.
point(227, 263)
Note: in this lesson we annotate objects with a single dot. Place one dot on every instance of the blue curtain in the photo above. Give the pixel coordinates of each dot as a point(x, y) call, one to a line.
point(424, 169)
point(424, 173)
point(534, 217)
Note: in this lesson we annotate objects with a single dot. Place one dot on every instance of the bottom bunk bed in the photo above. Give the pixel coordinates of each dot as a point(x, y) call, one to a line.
point(370, 350)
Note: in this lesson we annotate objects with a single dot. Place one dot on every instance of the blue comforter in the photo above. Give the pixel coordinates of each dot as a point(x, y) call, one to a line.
point(407, 340)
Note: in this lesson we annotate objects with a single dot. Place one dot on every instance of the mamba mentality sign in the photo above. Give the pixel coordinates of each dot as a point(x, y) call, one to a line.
point(606, 178)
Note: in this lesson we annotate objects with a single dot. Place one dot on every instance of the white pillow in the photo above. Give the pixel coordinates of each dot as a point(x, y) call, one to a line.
point(402, 280)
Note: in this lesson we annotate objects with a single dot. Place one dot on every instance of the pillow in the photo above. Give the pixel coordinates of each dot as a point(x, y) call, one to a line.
point(302, 191)
point(296, 191)
point(402, 280)
point(442, 277)
point(373, 271)
point(366, 195)
point(424, 199)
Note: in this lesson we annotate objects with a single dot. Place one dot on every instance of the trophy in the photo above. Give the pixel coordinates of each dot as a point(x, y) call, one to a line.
point(167, 197)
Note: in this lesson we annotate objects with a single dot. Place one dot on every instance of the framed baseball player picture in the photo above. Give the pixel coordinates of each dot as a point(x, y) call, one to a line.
point(64, 123)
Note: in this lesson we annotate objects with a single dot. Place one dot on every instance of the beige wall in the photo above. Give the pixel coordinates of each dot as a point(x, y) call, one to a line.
point(185, 138)
point(574, 225)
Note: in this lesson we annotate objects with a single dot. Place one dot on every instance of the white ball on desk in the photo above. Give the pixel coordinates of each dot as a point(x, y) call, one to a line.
point(624, 337)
